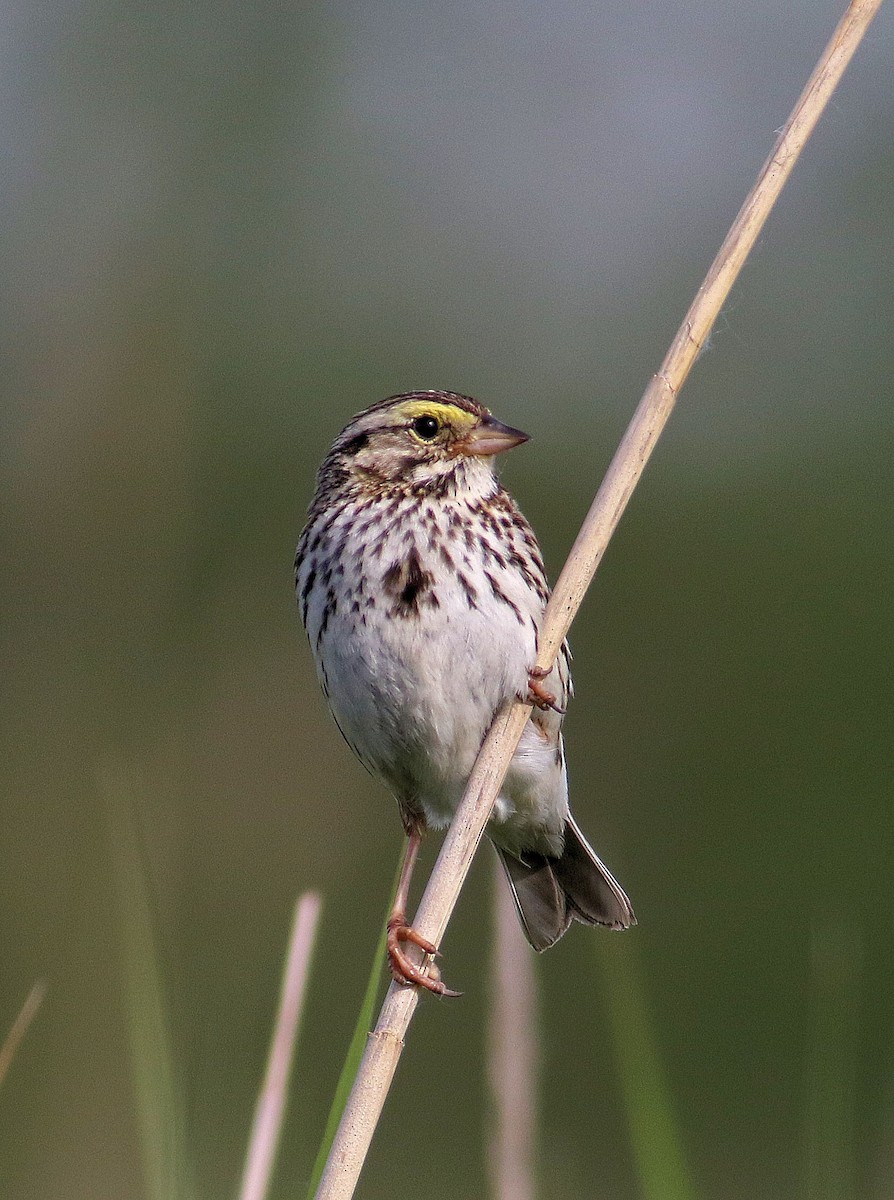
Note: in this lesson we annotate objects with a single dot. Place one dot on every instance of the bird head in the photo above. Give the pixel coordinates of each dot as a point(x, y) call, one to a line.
point(423, 440)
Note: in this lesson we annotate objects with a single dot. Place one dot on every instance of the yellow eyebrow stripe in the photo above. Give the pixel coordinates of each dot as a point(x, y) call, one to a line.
point(449, 414)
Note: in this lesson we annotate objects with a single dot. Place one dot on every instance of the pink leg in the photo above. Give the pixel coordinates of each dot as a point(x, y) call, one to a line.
point(403, 969)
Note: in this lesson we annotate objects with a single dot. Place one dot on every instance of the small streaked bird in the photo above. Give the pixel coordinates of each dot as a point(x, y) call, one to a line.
point(422, 588)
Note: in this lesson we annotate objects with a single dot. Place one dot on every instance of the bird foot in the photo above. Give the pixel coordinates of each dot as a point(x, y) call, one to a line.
point(538, 695)
point(403, 969)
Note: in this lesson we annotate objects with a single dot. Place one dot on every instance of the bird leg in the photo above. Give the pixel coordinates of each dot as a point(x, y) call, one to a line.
point(538, 695)
point(403, 969)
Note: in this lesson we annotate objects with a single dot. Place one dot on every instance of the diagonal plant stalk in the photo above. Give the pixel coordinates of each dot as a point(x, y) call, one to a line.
point(385, 1043)
point(355, 1049)
point(20, 1026)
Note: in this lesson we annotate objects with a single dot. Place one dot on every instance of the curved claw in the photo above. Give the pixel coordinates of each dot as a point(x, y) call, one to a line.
point(538, 694)
point(403, 969)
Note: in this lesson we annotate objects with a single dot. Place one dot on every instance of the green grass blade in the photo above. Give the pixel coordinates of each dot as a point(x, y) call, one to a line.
point(159, 1102)
point(830, 1109)
point(655, 1137)
point(364, 1024)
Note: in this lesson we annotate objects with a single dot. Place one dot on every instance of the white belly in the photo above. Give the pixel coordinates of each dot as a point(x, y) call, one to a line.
point(414, 691)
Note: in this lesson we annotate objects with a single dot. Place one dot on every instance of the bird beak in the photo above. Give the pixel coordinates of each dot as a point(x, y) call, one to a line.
point(488, 438)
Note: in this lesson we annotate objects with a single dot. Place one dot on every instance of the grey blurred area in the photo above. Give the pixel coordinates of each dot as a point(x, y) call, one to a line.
point(226, 229)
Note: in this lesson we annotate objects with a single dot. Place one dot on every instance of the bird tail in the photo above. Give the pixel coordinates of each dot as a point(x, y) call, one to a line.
point(550, 893)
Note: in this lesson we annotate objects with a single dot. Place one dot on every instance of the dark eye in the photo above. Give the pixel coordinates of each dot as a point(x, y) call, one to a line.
point(426, 427)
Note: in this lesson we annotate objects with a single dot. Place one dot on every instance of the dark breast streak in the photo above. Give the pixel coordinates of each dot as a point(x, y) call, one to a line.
point(493, 532)
point(410, 586)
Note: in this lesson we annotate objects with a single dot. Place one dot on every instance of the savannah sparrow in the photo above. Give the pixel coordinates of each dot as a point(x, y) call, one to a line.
point(421, 587)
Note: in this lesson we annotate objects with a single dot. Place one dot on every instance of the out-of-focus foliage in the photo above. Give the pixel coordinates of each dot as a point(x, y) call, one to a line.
point(226, 229)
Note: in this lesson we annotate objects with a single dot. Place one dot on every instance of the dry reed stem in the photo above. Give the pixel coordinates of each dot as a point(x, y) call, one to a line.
point(512, 1053)
point(20, 1026)
point(271, 1104)
point(386, 1041)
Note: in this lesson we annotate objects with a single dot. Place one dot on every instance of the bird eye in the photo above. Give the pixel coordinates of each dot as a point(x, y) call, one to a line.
point(426, 427)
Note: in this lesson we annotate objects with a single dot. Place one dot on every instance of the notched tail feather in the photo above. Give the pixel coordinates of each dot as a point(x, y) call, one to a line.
point(550, 893)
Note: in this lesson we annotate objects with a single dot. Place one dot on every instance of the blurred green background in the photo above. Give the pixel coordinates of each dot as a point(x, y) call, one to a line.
point(227, 228)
